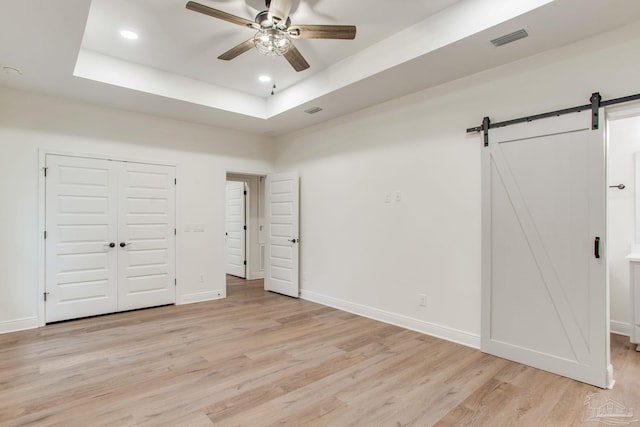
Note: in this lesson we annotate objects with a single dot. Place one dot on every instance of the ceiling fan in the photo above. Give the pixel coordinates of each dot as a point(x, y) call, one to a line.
point(274, 32)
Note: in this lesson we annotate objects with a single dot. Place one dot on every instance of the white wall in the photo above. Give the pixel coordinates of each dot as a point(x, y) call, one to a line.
point(29, 123)
point(375, 258)
point(624, 142)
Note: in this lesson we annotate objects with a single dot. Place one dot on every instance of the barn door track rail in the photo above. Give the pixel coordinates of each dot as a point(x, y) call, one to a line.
point(595, 104)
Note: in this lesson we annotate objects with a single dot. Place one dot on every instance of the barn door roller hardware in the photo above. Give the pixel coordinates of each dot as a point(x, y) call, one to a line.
point(595, 104)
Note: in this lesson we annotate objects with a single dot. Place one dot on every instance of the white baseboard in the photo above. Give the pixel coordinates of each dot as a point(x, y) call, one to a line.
point(15, 325)
point(200, 297)
point(432, 329)
point(620, 328)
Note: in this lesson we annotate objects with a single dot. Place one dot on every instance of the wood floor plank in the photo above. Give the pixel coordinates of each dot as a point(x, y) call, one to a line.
point(261, 359)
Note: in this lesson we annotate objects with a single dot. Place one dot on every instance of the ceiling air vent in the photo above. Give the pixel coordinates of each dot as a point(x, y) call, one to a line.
point(313, 110)
point(516, 35)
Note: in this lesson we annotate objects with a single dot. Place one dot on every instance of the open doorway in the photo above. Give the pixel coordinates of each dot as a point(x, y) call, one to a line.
point(623, 225)
point(236, 229)
point(244, 225)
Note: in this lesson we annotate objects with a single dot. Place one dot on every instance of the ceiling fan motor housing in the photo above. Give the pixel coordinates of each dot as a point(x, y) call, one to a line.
point(264, 21)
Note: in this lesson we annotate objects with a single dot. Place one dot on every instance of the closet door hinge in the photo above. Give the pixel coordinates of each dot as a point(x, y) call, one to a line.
point(175, 181)
point(175, 282)
point(45, 234)
point(44, 171)
point(175, 231)
point(45, 295)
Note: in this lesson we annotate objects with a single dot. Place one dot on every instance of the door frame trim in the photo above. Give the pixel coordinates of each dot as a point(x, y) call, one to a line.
point(247, 209)
point(42, 161)
point(242, 176)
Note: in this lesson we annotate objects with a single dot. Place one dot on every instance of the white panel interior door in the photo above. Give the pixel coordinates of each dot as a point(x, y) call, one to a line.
point(282, 207)
point(146, 239)
point(544, 288)
point(236, 228)
point(81, 218)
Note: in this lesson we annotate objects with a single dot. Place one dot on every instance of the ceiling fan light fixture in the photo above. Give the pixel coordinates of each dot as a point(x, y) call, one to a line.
point(271, 41)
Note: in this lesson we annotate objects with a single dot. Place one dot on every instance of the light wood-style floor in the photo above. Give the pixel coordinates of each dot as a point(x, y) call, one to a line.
point(260, 359)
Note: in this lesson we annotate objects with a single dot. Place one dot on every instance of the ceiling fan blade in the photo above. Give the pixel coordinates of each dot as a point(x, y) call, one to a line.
point(197, 7)
point(345, 32)
point(237, 50)
point(280, 9)
point(296, 59)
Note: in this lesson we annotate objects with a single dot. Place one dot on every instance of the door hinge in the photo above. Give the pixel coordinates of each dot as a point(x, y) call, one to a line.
point(245, 228)
point(245, 192)
point(44, 170)
point(245, 262)
point(44, 295)
point(45, 234)
point(175, 231)
point(175, 181)
point(175, 282)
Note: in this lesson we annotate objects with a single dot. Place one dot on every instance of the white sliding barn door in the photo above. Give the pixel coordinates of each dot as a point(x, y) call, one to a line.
point(544, 289)
point(282, 207)
point(146, 239)
point(81, 226)
point(235, 228)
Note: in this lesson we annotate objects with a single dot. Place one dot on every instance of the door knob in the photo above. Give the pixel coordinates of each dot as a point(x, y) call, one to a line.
point(293, 240)
point(123, 244)
point(111, 245)
point(619, 186)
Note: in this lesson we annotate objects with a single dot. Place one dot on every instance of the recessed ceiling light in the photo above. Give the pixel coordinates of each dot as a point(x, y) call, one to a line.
point(264, 79)
point(129, 35)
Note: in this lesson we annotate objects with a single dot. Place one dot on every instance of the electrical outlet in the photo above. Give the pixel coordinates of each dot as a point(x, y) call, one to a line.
point(422, 302)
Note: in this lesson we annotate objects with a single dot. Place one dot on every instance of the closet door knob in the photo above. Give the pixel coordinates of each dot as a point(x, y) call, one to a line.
point(123, 244)
point(111, 245)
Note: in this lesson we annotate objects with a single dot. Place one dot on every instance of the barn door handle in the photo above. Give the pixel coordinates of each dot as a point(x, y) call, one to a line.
point(596, 247)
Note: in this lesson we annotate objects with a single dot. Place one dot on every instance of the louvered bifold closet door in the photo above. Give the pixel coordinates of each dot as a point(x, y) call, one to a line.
point(110, 236)
point(146, 247)
point(81, 226)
